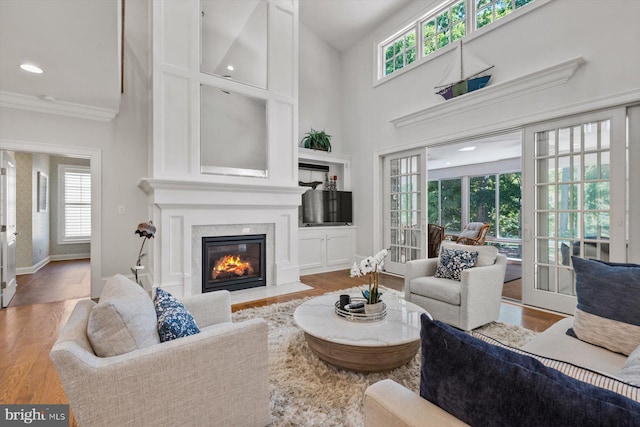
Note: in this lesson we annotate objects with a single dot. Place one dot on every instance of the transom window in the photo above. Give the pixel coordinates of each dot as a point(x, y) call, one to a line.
point(448, 22)
point(448, 26)
point(400, 52)
point(488, 11)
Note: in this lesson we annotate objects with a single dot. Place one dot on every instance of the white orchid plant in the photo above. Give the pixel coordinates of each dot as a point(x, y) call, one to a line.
point(371, 267)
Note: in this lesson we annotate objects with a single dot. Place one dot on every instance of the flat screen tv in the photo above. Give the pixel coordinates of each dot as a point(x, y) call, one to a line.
point(320, 207)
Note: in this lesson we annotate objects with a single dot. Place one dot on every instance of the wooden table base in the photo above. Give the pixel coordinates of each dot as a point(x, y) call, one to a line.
point(363, 359)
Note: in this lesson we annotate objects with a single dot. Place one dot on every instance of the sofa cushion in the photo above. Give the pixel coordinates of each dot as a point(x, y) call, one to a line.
point(487, 385)
point(174, 321)
point(631, 370)
point(453, 261)
point(439, 289)
point(123, 320)
point(589, 376)
point(607, 314)
point(486, 254)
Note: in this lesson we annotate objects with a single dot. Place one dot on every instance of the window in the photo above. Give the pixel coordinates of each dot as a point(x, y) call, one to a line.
point(451, 205)
point(494, 198)
point(488, 11)
point(448, 22)
point(482, 200)
point(400, 52)
point(75, 203)
point(448, 26)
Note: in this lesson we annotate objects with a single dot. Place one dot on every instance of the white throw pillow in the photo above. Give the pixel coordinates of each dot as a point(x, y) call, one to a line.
point(630, 372)
point(486, 254)
point(123, 320)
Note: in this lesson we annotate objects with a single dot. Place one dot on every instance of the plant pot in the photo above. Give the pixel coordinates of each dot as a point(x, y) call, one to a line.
point(373, 308)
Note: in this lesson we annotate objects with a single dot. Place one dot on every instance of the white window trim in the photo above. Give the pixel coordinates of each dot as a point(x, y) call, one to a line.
point(62, 240)
point(471, 34)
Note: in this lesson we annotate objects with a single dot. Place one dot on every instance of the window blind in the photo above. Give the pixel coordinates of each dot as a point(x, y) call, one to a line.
point(77, 204)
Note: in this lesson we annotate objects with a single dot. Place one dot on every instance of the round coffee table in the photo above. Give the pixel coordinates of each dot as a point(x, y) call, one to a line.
point(361, 346)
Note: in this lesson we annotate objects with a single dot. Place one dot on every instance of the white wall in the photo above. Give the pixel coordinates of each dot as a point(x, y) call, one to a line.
point(123, 144)
point(556, 32)
point(320, 88)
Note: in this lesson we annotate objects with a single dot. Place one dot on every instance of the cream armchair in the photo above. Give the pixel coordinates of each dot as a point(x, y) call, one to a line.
point(467, 304)
point(218, 377)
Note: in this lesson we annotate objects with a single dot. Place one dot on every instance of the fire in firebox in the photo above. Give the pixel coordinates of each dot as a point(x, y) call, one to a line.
point(231, 266)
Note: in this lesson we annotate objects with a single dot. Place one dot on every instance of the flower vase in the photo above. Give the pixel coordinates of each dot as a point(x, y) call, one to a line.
point(373, 308)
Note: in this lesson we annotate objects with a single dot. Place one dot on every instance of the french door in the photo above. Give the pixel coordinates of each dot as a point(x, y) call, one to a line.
point(404, 204)
point(573, 202)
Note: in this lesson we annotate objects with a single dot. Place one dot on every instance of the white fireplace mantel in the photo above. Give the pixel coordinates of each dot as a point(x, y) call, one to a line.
point(172, 193)
point(181, 209)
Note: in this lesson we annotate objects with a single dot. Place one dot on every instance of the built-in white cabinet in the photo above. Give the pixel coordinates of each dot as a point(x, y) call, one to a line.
point(323, 249)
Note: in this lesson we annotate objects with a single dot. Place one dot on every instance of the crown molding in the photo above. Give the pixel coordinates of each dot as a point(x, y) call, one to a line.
point(61, 108)
point(533, 82)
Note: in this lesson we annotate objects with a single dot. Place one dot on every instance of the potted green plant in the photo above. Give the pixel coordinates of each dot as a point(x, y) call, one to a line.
point(317, 140)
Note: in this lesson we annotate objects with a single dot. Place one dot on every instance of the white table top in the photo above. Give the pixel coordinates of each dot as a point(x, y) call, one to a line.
point(401, 325)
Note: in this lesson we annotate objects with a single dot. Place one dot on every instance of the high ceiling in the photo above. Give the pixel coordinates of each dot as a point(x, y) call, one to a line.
point(75, 42)
point(343, 22)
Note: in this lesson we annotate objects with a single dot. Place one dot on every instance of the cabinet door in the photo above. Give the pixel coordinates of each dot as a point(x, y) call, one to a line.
point(312, 250)
point(340, 248)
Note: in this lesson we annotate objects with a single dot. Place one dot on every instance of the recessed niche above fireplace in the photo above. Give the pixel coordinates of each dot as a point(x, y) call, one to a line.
point(233, 262)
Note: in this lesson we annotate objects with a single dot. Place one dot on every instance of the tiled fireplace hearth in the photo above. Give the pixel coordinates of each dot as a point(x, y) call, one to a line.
point(186, 212)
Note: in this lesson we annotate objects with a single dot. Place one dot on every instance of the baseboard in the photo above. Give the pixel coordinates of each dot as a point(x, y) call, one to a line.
point(34, 268)
point(64, 257)
point(68, 257)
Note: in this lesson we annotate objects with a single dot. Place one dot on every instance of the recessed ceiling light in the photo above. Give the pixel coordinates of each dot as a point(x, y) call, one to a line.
point(448, 163)
point(467, 149)
point(31, 68)
point(230, 67)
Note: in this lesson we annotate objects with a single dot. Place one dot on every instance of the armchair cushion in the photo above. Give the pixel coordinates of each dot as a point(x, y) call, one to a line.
point(174, 321)
point(453, 262)
point(444, 290)
point(123, 320)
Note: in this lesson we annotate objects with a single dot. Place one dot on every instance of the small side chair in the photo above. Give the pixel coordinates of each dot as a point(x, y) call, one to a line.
point(475, 233)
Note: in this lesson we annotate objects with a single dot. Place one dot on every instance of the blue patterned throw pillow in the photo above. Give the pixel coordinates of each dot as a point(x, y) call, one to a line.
point(453, 262)
point(174, 321)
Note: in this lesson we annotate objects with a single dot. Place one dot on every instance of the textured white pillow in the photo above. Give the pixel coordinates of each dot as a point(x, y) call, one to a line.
point(123, 320)
point(631, 370)
point(486, 254)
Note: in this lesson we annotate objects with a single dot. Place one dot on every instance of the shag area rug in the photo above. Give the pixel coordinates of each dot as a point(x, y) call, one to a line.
point(305, 391)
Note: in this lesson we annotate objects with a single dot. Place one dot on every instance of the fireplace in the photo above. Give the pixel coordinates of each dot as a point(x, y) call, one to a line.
point(233, 262)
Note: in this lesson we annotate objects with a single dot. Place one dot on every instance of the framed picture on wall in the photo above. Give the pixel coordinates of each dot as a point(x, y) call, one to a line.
point(43, 191)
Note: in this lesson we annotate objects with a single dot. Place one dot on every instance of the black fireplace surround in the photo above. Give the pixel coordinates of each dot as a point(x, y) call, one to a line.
point(233, 262)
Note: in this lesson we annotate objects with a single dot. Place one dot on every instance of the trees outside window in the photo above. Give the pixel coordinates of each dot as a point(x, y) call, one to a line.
point(494, 198)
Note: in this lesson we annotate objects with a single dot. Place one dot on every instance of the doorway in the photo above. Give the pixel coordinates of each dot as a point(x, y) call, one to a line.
point(95, 160)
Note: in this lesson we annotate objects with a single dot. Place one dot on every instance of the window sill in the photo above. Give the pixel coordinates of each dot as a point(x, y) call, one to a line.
point(74, 241)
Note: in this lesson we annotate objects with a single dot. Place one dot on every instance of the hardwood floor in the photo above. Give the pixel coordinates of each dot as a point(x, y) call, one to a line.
point(28, 331)
point(56, 281)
